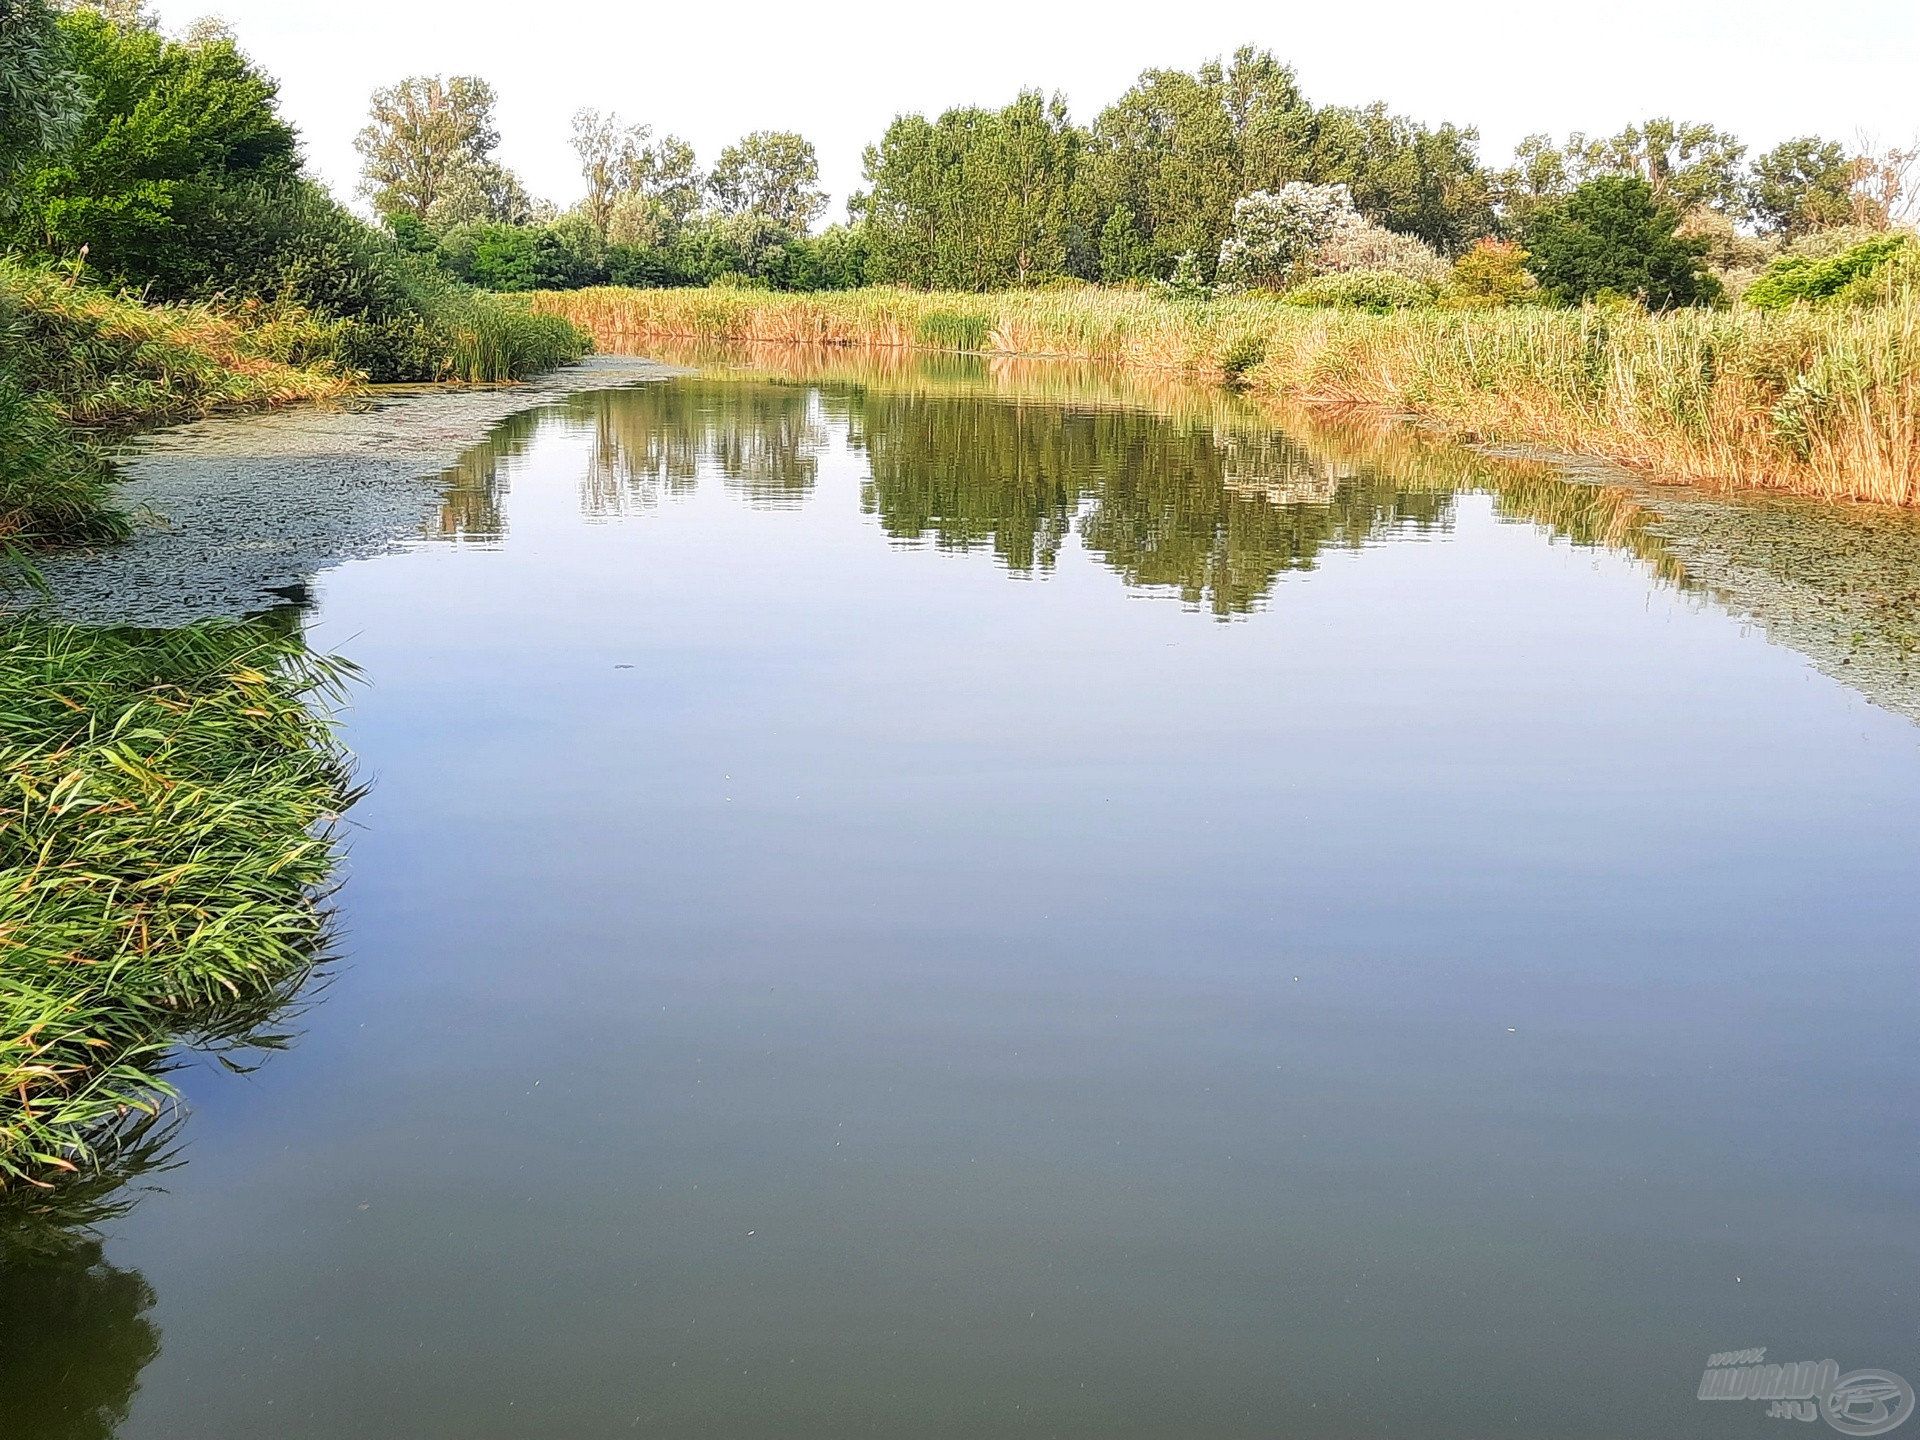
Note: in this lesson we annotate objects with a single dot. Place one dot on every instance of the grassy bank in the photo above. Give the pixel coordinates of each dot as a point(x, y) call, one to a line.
point(1816, 402)
point(76, 361)
point(162, 834)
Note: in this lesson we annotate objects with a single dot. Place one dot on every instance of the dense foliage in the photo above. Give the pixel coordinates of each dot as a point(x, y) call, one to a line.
point(168, 129)
point(42, 101)
point(1859, 274)
point(1615, 236)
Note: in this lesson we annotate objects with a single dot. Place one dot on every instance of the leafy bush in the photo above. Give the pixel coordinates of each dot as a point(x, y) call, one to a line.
point(1375, 290)
point(1491, 273)
point(1614, 234)
point(565, 255)
point(170, 126)
point(1849, 276)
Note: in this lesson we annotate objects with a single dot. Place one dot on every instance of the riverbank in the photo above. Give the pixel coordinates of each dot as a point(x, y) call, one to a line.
point(235, 514)
point(166, 796)
point(79, 364)
point(1820, 403)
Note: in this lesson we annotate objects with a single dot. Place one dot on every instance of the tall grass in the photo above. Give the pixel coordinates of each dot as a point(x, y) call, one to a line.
point(491, 340)
point(107, 360)
point(1817, 402)
point(75, 359)
point(163, 830)
point(479, 338)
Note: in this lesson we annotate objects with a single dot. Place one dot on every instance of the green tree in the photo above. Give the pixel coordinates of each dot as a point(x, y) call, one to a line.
point(171, 126)
point(42, 101)
point(1539, 176)
point(772, 173)
point(1168, 152)
point(976, 199)
point(427, 151)
point(1687, 162)
point(639, 191)
point(612, 158)
point(1406, 176)
point(1801, 185)
point(1124, 255)
point(1178, 150)
point(1614, 234)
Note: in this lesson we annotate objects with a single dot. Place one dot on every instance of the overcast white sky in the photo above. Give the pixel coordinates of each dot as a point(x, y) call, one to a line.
point(1766, 69)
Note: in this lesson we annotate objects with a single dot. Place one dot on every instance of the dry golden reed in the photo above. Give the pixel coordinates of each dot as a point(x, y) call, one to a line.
point(1816, 402)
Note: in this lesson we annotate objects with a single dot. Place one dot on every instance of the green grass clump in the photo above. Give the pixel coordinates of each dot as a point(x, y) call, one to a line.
point(493, 339)
point(1376, 290)
point(949, 330)
point(165, 804)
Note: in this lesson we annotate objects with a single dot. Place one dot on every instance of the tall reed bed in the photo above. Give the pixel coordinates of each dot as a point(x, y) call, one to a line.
point(165, 800)
point(1817, 402)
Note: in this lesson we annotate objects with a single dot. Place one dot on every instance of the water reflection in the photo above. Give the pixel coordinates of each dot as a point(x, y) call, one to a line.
point(75, 1329)
point(1174, 486)
point(75, 1333)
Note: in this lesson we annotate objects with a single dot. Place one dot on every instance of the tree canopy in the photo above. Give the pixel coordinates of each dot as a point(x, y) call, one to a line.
point(1615, 235)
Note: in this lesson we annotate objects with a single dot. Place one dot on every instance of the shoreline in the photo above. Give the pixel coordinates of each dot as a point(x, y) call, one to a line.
point(1820, 403)
point(231, 513)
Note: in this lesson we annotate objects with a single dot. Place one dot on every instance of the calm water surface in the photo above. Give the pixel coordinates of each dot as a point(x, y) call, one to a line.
point(890, 908)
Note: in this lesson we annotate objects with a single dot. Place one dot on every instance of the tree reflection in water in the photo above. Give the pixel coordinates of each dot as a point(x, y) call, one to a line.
point(76, 1330)
point(1172, 484)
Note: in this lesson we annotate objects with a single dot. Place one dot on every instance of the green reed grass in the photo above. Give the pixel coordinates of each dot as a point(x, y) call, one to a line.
point(164, 831)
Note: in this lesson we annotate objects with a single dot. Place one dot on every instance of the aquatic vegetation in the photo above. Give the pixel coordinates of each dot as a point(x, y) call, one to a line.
point(164, 832)
point(1822, 403)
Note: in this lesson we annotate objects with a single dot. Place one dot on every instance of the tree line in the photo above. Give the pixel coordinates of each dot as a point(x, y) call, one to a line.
point(163, 164)
point(983, 198)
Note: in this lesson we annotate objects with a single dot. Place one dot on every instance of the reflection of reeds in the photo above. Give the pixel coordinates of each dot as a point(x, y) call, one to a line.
point(1825, 403)
point(1273, 451)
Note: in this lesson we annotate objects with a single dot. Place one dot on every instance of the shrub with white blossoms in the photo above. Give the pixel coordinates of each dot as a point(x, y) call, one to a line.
point(1366, 246)
point(1276, 233)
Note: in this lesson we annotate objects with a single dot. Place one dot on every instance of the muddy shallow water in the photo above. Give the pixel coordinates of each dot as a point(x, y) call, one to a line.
point(933, 899)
